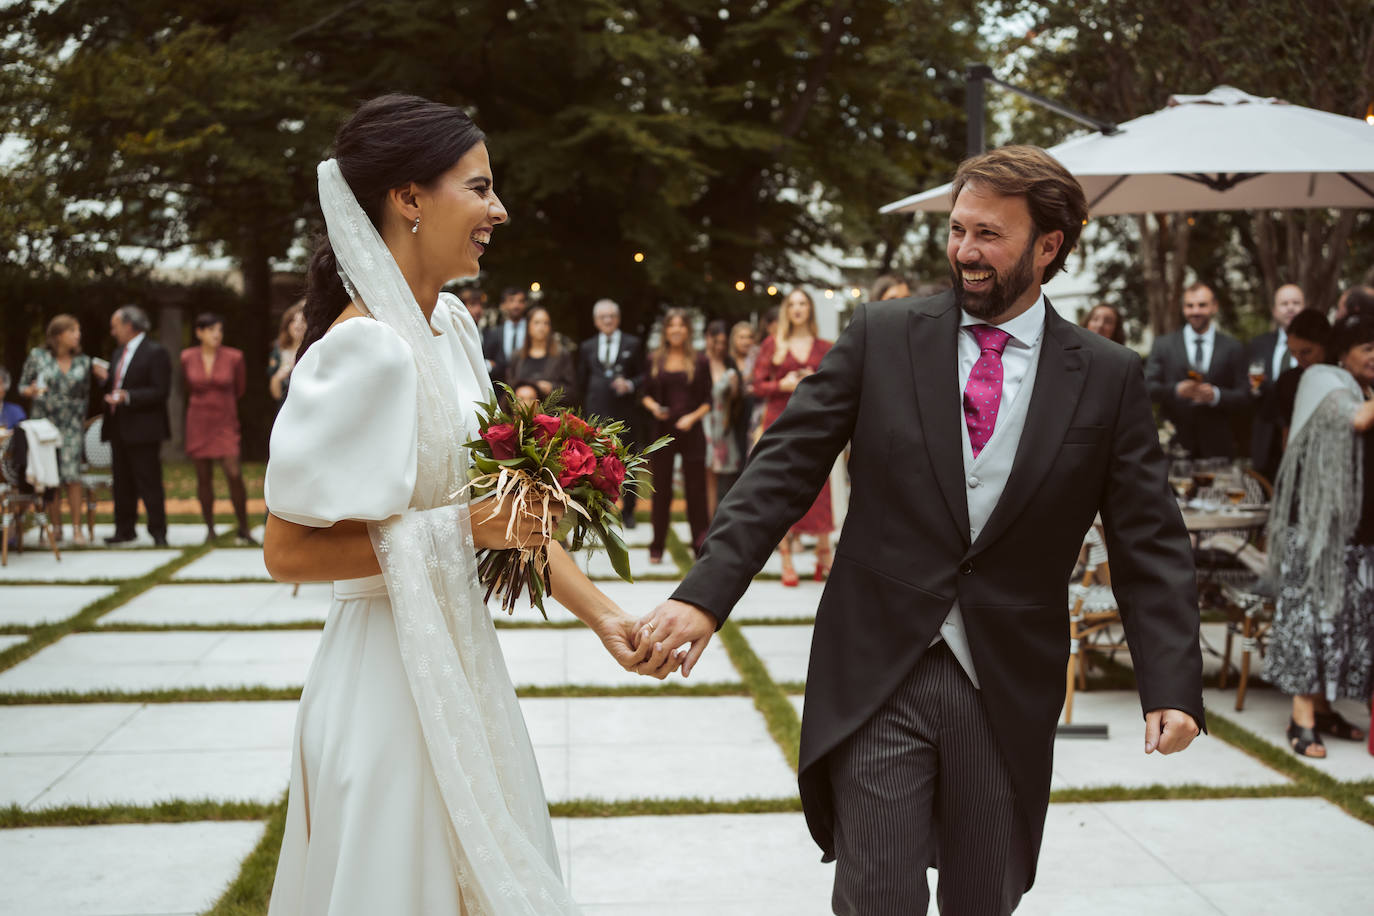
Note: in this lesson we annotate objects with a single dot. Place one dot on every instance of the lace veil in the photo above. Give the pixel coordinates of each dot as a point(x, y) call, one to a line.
point(500, 838)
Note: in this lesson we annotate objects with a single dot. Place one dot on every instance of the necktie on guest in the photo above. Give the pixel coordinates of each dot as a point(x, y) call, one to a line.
point(983, 393)
point(1198, 355)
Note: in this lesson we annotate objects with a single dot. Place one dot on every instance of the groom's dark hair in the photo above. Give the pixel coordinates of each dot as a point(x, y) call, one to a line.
point(389, 141)
point(1055, 197)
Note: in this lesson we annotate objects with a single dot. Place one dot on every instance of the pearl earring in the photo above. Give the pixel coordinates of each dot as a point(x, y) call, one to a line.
point(415, 228)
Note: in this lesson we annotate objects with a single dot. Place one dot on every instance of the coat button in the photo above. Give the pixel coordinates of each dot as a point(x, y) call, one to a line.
point(973, 482)
point(966, 568)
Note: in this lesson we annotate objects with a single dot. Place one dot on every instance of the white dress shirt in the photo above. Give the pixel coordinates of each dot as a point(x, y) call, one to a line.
point(609, 347)
point(1209, 340)
point(122, 368)
point(1280, 361)
point(1019, 357)
point(512, 337)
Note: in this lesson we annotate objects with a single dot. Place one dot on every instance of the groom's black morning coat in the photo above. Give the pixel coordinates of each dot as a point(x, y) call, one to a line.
point(890, 386)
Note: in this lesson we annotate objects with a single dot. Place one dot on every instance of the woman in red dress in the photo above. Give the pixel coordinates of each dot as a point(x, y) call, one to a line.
point(786, 357)
point(215, 380)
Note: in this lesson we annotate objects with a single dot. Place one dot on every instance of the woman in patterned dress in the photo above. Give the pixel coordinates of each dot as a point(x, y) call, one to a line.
point(1321, 537)
point(215, 380)
point(722, 449)
point(786, 357)
point(57, 378)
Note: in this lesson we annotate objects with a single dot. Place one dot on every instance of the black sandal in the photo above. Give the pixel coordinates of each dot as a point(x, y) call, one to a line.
point(1334, 724)
point(1300, 739)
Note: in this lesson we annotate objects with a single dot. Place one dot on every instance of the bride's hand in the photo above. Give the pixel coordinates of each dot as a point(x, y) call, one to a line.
point(618, 632)
point(490, 531)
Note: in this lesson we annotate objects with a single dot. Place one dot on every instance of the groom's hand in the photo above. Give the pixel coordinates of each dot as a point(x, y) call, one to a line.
point(1168, 730)
point(671, 626)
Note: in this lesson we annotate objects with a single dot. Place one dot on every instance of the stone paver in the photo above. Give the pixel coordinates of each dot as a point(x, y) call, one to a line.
point(84, 565)
point(35, 605)
point(167, 869)
point(230, 564)
point(1266, 715)
point(178, 535)
point(784, 650)
point(239, 603)
point(704, 747)
point(542, 658)
point(8, 641)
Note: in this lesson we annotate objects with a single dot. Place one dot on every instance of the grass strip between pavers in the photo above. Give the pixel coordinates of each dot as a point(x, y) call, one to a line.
point(169, 812)
point(1350, 797)
point(769, 698)
point(660, 807)
point(1183, 792)
point(47, 634)
point(261, 693)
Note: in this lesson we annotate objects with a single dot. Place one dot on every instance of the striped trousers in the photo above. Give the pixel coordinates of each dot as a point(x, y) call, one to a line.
point(922, 783)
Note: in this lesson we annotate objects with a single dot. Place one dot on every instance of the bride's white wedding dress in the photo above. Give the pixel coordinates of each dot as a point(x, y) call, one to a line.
point(414, 788)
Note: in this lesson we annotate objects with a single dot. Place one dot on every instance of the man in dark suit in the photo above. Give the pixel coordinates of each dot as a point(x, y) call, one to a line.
point(1270, 350)
point(610, 368)
point(1198, 376)
point(941, 641)
point(135, 424)
point(503, 339)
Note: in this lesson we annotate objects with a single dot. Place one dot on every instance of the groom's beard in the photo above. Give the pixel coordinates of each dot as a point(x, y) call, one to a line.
point(1005, 290)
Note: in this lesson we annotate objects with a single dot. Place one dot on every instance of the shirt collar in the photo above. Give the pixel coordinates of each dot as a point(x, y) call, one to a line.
point(1025, 329)
point(1206, 336)
point(134, 341)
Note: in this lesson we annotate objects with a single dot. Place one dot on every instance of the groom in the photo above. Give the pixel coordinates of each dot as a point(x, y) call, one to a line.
point(987, 433)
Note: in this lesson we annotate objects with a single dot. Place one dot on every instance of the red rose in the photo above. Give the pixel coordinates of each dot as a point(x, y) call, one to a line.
point(577, 460)
point(577, 426)
point(610, 475)
point(546, 427)
point(501, 437)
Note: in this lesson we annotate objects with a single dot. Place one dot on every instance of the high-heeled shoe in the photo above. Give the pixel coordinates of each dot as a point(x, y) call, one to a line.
point(822, 565)
point(790, 579)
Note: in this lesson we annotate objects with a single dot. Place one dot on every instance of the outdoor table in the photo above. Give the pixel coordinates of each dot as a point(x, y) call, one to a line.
point(1226, 518)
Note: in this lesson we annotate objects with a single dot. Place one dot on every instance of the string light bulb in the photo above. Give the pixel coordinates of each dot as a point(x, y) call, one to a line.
point(772, 290)
point(856, 292)
point(739, 285)
point(639, 257)
point(534, 287)
point(830, 294)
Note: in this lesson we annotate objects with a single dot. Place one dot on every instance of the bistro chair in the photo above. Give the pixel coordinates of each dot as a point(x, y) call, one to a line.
point(17, 496)
point(1093, 613)
point(96, 473)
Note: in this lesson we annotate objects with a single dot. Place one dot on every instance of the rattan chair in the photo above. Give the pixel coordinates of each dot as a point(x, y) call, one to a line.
point(96, 473)
point(1093, 617)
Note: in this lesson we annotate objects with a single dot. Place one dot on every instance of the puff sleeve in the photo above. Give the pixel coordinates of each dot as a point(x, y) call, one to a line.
point(344, 445)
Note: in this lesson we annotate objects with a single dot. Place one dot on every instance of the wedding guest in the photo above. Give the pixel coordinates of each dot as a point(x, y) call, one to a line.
point(768, 326)
point(1197, 375)
point(57, 380)
point(136, 389)
point(743, 352)
point(542, 359)
point(1354, 299)
point(890, 286)
point(610, 367)
point(501, 341)
point(526, 392)
point(722, 449)
point(11, 414)
point(1309, 343)
point(677, 394)
point(1105, 320)
point(476, 303)
point(786, 358)
point(1268, 353)
point(215, 380)
point(1321, 538)
point(282, 360)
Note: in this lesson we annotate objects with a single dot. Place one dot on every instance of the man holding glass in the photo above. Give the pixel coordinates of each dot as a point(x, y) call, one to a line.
point(136, 423)
point(1269, 358)
point(1197, 376)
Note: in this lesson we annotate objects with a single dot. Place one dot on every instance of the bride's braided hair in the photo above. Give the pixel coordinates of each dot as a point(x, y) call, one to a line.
point(389, 141)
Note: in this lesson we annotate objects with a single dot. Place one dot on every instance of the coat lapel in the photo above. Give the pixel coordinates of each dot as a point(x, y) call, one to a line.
point(1058, 384)
point(933, 338)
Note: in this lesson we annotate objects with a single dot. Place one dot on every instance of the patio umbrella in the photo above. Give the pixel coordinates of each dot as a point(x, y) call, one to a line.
point(1226, 150)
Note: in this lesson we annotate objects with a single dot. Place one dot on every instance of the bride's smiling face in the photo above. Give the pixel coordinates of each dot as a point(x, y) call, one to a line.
point(457, 215)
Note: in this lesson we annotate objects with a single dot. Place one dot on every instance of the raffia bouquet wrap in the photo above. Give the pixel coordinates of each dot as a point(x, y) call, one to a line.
point(548, 461)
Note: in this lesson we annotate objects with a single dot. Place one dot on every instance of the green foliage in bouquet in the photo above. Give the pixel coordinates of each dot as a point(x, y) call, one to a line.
point(550, 460)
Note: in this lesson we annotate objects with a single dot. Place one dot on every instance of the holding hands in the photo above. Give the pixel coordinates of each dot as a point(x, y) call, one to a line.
point(675, 633)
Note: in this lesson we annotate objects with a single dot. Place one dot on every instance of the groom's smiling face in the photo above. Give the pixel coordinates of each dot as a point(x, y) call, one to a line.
point(996, 257)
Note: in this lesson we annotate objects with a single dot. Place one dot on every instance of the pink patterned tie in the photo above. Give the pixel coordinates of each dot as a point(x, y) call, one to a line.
point(983, 393)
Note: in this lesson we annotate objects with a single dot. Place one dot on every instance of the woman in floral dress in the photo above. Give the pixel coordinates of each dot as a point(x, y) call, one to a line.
point(57, 379)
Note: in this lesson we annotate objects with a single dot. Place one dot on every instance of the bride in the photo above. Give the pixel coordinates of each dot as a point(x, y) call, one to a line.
point(414, 788)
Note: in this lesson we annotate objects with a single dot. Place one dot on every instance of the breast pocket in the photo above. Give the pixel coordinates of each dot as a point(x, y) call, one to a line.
point(1085, 435)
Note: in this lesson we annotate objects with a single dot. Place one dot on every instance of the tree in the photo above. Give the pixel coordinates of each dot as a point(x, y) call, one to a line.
point(1119, 61)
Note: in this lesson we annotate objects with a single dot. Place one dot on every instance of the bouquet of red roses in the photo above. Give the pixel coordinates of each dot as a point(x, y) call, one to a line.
point(545, 457)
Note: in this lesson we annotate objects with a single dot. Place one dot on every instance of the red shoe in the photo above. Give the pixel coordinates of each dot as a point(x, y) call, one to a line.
point(789, 574)
point(822, 566)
